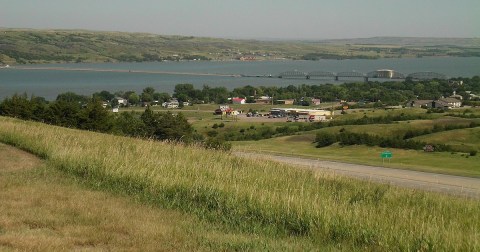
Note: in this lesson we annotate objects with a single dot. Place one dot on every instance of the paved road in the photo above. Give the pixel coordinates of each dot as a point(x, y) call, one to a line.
point(456, 185)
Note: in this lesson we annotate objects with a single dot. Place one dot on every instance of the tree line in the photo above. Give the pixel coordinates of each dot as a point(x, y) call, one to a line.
point(388, 93)
point(381, 93)
point(402, 141)
point(73, 111)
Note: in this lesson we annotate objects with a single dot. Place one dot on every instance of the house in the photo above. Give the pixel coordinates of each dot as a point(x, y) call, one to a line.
point(173, 103)
point(121, 101)
point(420, 104)
point(238, 100)
point(447, 103)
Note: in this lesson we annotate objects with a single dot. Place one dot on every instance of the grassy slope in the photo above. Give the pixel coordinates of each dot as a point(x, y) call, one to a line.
point(45, 210)
point(40, 46)
point(461, 138)
point(253, 196)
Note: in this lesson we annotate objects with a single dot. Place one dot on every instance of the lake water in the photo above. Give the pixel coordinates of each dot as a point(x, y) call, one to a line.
point(49, 83)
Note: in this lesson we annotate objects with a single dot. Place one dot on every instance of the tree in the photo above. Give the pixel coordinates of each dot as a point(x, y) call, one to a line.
point(128, 124)
point(94, 117)
point(38, 105)
point(104, 96)
point(18, 106)
point(147, 94)
point(162, 126)
point(133, 98)
point(146, 97)
point(183, 90)
point(63, 113)
point(72, 97)
point(161, 97)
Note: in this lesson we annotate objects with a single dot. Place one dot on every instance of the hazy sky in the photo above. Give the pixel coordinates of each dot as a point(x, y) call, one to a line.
point(275, 19)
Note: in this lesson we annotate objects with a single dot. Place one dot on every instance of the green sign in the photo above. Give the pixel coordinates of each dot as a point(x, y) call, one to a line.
point(386, 154)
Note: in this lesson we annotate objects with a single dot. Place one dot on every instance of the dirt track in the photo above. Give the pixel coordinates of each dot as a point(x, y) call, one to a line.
point(456, 185)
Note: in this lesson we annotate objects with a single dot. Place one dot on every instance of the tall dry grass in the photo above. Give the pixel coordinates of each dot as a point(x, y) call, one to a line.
point(256, 196)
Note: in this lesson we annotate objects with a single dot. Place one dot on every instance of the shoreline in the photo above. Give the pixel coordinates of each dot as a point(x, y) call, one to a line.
point(123, 71)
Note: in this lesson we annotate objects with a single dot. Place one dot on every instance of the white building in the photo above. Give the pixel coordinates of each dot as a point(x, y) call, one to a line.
point(172, 104)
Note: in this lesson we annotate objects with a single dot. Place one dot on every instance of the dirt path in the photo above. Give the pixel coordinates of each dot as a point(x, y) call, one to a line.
point(412, 179)
point(13, 159)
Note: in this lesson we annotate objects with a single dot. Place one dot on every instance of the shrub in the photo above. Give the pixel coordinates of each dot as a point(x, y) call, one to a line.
point(473, 153)
point(217, 144)
point(212, 133)
point(324, 139)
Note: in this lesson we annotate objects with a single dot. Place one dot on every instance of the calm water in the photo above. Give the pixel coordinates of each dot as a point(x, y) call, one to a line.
point(49, 83)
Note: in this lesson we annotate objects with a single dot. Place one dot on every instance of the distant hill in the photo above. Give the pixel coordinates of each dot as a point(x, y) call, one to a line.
point(409, 41)
point(26, 46)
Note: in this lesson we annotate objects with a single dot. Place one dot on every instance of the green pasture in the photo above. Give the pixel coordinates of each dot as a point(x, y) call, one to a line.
point(461, 138)
point(302, 145)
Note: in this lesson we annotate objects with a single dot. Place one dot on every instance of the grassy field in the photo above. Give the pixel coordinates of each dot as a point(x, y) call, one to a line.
point(461, 138)
point(301, 145)
point(253, 197)
point(44, 209)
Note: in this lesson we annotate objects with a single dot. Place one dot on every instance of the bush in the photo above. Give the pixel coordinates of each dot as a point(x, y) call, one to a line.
point(473, 153)
point(217, 144)
point(324, 139)
point(212, 133)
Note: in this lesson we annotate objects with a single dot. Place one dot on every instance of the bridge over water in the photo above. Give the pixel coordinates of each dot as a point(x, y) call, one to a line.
point(294, 74)
point(377, 74)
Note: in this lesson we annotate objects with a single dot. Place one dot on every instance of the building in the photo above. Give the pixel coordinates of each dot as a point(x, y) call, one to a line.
point(238, 100)
point(286, 102)
point(420, 104)
point(443, 103)
point(264, 100)
point(171, 104)
point(121, 101)
point(307, 115)
point(385, 73)
point(447, 103)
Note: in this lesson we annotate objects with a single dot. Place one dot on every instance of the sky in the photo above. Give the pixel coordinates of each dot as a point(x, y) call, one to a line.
point(252, 19)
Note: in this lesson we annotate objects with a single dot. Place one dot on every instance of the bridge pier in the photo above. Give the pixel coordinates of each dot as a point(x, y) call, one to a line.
point(365, 79)
point(336, 78)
